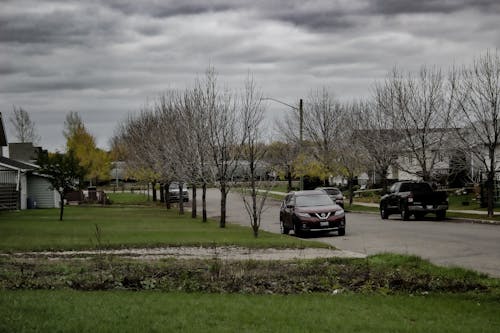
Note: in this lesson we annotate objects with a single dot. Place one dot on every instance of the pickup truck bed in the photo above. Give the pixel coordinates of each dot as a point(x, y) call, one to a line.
point(413, 198)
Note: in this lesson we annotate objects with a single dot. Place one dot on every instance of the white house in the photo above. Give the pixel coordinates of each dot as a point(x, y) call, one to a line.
point(21, 186)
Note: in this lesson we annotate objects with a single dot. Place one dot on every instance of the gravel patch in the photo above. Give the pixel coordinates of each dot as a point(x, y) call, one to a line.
point(223, 253)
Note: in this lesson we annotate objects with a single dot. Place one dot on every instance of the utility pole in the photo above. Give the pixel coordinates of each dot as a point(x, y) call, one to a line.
point(301, 126)
point(301, 137)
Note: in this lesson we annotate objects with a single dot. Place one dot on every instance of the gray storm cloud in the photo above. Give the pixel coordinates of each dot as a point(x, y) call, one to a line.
point(105, 59)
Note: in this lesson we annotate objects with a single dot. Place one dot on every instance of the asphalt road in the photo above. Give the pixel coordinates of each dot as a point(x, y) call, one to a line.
point(475, 246)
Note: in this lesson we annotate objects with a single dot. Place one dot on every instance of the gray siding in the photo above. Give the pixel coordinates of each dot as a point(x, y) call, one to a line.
point(39, 190)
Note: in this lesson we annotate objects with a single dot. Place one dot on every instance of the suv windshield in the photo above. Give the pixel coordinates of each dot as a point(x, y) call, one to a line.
point(313, 200)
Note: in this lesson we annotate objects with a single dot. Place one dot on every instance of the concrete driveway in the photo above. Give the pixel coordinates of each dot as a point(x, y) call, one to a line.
point(474, 246)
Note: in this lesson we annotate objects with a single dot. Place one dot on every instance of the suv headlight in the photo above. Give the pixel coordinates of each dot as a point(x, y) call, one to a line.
point(339, 212)
point(302, 214)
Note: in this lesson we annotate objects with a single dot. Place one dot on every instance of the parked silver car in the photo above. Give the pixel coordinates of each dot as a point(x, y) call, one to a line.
point(335, 194)
point(173, 192)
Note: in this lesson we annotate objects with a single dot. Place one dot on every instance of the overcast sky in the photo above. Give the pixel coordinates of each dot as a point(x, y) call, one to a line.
point(106, 59)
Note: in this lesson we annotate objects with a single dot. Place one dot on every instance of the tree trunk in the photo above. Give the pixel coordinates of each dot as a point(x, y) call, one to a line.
point(153, 186)
point(490, 182)
point(255, 217)
point(204, 201)
point(351, 190)
point(223, 202)
point(289, 177)
point(162, 193)
point(193, 202)
point(181, 198)
point(383, 180)
point(490, 192)
point(167, 195)
point(61, 204)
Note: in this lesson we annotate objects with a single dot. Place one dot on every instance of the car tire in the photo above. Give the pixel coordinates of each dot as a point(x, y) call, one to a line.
point(296, 230)
point(341, 231)
point(384, 214)
point(405, 213)
point(441, 214)
point(283, 229)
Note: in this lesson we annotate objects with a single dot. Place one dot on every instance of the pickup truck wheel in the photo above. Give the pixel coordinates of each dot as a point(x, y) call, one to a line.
point(405, 213)
point(283, 229)
point(419, 216)
point(383, 212)
point(441, 214)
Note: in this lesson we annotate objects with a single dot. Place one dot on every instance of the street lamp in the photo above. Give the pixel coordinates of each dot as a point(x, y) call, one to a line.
point(301, 126)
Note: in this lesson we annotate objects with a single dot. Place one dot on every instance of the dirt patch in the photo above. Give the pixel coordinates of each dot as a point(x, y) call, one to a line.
point(223, 253)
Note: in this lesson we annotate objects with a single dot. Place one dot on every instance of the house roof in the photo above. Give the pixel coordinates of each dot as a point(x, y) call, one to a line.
point(16, 165)
point(3, 138)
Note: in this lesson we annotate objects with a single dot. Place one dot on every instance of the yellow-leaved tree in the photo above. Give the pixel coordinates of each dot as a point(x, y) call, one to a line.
point(96, 161)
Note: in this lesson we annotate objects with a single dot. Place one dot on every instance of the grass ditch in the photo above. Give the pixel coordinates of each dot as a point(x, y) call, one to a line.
point(385, 273)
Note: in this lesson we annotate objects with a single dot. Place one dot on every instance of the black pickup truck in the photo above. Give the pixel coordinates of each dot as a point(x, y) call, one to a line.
point(413, 198)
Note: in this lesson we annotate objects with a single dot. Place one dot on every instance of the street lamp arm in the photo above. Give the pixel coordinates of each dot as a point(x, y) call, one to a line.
point(278, 101)
point(301, 124)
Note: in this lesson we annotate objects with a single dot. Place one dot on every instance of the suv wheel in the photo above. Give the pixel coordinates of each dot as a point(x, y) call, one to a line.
point(283, 229)
point(296, 230)
point(341, 231)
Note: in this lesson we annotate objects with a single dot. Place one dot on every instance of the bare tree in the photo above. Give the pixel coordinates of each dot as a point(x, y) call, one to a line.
point(351, 158)
point(202, 98)
point(138, 138)
point(187, 142)
point(424, 114)
point(377, 130)
point(24, 127)
point(253, 115)
point(72, 124)
point(477, 102)
point(224, 136)
point(322, 122)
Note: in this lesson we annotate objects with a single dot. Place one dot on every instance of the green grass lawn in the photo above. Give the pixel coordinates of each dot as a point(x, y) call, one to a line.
point(124, 226)
point(127, 198)
point(70, 311)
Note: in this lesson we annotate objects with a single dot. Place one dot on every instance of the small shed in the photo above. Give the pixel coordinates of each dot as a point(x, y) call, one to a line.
point(40, 192)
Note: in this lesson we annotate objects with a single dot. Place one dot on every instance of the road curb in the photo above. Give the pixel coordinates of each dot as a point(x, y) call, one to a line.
point(448, 219)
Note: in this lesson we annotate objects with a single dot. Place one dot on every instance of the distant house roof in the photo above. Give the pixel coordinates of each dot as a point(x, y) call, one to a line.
point(16, 165)
point(3, 138)
point(24, 151)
